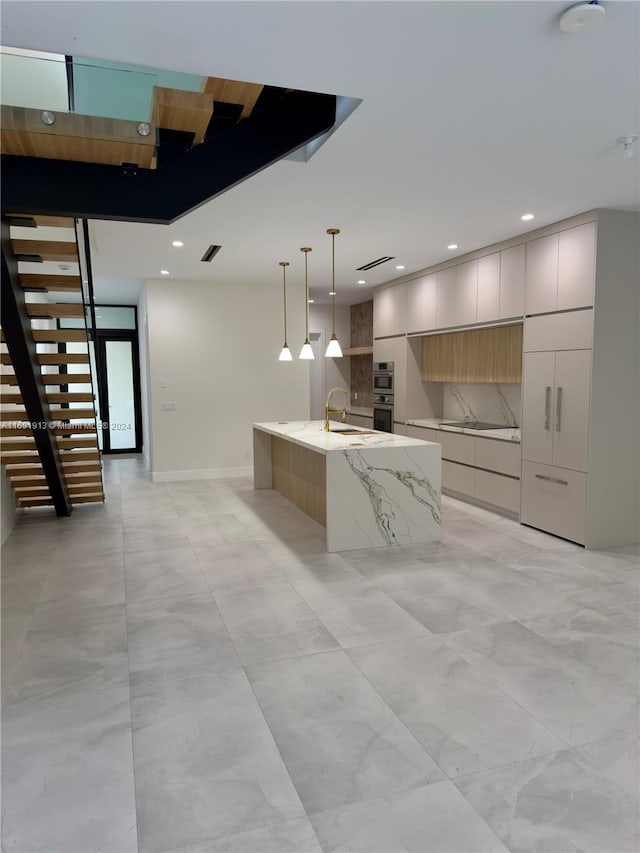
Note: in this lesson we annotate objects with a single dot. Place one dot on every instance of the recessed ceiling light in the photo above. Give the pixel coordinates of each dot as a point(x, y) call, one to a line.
point(332, 293)
point(400, 267)
point(311, 301)
point(452, 246)
point(177, 243)
point(526, 217)
point(164, 272)
point(361, 281)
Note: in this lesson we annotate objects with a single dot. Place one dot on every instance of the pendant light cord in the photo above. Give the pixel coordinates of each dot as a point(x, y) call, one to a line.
point(284, 295)
point(333, 281)
point(306, 299)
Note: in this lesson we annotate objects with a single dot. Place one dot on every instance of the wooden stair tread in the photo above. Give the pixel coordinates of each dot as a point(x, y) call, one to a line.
point(177, 109)
point(68, 397)
point(66, 414)
point(63, 358)
point(54, 309)
point(234, 92)
point(48, 250)
point(53, 379)
point(59, 336)
point(41, 220)
point(37, 281)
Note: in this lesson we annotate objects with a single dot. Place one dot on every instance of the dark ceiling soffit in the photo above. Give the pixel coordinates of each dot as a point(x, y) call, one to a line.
point(94, 191)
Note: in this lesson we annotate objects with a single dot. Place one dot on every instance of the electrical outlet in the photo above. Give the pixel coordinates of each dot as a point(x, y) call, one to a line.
point(168, 407)
point(164, 383)
point(355, 395)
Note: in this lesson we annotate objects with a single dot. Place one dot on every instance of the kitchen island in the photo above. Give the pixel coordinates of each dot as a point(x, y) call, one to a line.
point(369, 489)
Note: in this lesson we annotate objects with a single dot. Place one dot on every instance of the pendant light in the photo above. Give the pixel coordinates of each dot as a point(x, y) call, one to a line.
point(306, 352)
point(285, 352)
point(333, 350)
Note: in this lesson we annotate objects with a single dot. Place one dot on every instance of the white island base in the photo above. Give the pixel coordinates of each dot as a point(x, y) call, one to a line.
point(369, 490)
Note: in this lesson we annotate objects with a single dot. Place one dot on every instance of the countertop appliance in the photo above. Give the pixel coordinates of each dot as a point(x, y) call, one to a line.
point(474, 425)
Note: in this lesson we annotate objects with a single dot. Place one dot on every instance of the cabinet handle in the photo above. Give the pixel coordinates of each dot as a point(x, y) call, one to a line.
point(552, 480)
point(547, 406)
point(558, 407)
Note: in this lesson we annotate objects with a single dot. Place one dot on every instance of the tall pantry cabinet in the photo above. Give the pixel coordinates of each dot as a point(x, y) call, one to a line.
point(580, 381)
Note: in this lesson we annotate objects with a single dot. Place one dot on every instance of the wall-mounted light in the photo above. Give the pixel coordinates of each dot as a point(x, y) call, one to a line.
point(306, 352)
point(333, 350)
point(285, 352)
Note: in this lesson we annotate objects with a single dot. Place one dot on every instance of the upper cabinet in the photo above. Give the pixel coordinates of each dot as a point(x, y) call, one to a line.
point(560, 270)
point(466, 293)
point(421, 304)
point(511, 282)
point(488, 288)
point(446, 298)
point(390, 311)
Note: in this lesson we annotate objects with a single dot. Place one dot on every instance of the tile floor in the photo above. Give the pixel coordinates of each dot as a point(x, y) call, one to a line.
point(186, 669)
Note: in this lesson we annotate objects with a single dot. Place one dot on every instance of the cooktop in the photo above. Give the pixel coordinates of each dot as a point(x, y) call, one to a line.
point(473, 425)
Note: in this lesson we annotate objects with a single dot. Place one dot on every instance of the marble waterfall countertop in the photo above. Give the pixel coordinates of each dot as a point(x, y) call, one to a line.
point(311, 434)
point(379, 489)
point(503, 434)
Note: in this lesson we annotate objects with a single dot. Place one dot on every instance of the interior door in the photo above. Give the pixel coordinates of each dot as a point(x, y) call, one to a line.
point(571, 409)
point(119, 385)
point(537, 407)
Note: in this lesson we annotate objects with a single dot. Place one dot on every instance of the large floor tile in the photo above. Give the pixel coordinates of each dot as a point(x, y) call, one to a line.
point(206, 764)
point(67, 774)
point(432, 819)
point(14, 632)
point(153, 575)
point(357, 613)
point(341, 743)
point(461, 718)
point(556, 804)
point(72, 654)
point(294, 836)
point(177, 637)
point(235, 564)
point(571, 698)
point(271, 622)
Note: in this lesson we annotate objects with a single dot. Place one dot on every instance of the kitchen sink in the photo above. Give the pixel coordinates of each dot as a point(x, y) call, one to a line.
point(353, 431)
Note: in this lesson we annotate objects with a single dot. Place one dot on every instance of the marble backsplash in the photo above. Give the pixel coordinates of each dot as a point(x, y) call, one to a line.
point(493, 403)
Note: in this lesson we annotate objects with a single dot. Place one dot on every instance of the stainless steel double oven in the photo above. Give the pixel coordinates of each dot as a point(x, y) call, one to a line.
point(383, 395)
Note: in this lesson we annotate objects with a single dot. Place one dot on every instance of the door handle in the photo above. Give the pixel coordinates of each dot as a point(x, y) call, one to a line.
point(547, 406)
point(552, 480)
point(558, 407)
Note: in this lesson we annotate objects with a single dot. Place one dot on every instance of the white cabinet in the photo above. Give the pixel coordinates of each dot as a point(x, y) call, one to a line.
point(512, 266)
point(458, 447)
point(488, 307)
point(423, 433)
point(502, 457)
point(560, 270)
point(556, 388)
point(497, 490)
point(576, 266)
point(466, 293)
point(421, 304)
point(390, 311)
point(541, 275)
point(569, 330)
point(365, 421)
point(446, 298)
point(459, 478)
point(554, 499)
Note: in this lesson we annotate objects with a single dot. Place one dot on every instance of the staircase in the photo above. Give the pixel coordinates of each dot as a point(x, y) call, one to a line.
point(63, 367)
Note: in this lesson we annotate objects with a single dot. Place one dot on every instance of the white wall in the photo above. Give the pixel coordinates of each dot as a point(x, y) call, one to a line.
point(215, 348)
point(9, 506)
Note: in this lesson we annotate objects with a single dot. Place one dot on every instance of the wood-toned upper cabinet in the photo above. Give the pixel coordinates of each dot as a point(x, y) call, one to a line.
point(488, 288)
point(560, 270)
point(492, 354)
point(466, 293)
point(576, 266)
point(512, 282)
point(390, 311)
point(446, 298)
point(421, 304)
point(541, 276)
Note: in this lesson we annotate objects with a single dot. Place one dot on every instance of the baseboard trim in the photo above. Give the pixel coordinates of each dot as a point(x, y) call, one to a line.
point(200, 474)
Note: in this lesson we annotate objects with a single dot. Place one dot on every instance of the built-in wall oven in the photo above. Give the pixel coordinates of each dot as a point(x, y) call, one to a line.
point(383, 396)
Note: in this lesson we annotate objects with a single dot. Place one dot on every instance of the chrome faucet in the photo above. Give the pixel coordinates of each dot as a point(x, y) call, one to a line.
point(328, 410)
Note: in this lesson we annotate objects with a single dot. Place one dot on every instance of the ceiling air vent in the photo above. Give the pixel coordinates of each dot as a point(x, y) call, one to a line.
point(210, 254)
point(376, 263)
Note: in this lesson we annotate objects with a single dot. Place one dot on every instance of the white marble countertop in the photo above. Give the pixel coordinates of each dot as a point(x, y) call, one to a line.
point(311, 434)
point(506, 434)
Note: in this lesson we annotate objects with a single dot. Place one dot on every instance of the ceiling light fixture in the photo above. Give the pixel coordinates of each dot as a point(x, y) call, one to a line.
point(581, 17)
point(400, 267)
point(285, 352)
point(333, 350)
point(361, 281)
point(164, 272)
point(527, 217)
point(628, 141)
point(306, 352)
point(452, 246)
point(177, 243)
point(332, 293)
